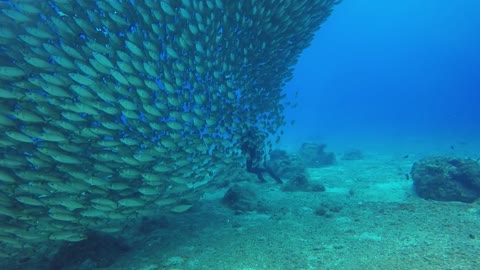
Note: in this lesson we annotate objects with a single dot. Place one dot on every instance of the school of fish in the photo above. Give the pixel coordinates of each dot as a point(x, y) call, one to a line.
point(113, 110)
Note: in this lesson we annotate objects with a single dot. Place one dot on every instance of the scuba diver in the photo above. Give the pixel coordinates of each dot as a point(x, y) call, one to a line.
point(253, 147)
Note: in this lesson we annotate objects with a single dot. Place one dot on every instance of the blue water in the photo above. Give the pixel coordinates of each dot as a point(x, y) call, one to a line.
point(381, 69)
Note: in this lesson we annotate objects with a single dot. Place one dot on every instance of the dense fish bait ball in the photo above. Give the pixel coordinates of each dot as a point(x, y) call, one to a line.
point(111, 110)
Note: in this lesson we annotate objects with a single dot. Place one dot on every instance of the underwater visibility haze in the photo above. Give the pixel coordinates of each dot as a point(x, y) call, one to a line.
point(391, 69)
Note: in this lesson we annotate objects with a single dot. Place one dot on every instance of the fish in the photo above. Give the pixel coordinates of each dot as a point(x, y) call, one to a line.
point(115, 109)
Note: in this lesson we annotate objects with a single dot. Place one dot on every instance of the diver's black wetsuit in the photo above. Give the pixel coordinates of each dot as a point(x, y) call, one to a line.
point(253, 147)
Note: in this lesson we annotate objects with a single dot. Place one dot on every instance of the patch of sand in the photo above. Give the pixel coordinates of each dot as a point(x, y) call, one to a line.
point(382, 224)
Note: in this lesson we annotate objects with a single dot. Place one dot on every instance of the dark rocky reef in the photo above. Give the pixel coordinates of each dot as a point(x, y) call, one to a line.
point(353, 154)
point(314, 155)
point(447, 179)
point(291, 168)
point(300, 183)
point(328, 209)
point(99, 250)
point(285, 165)
point(149, 224)
point(242, 199)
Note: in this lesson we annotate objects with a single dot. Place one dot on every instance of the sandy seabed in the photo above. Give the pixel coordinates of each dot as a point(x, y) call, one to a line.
point(373, 220)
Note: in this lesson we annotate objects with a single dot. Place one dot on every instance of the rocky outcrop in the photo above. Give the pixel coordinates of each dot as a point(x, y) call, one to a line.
point(447, 179)
point(314, 155)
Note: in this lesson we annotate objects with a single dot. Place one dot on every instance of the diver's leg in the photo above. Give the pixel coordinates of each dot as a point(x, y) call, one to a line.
point(260, 177)
point(255, 170)
point(273, 175)
point(258, 172)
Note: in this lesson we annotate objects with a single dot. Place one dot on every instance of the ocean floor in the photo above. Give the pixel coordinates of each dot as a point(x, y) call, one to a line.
point(368, 218)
